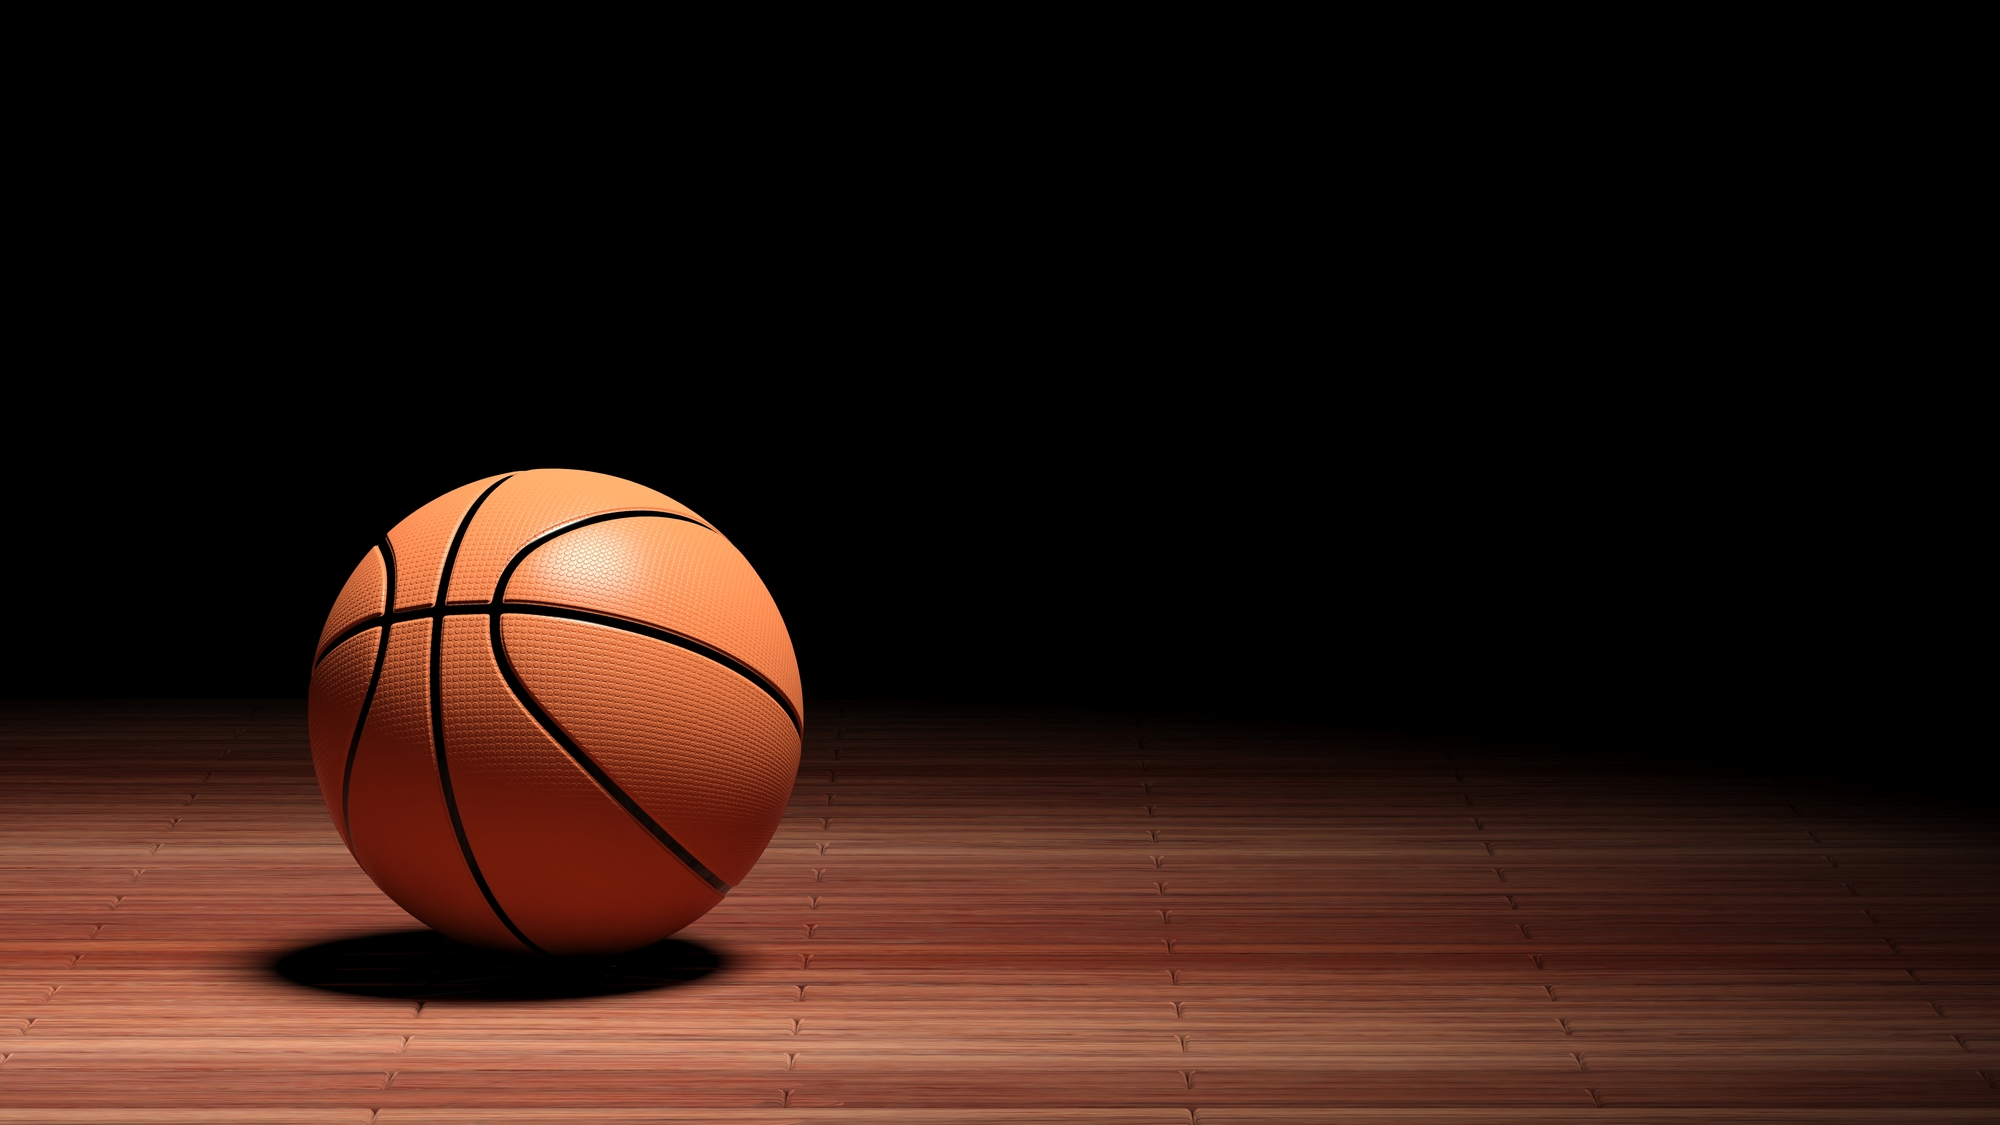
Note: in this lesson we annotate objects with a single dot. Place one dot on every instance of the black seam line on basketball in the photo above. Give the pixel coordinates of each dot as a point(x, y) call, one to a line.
point(458, 539)
point(561, 737)
point(388, 603)
point(535, 609)
point(374, 679)
point(436, 678)
point(657, 633)
point(412, 614)
point(624, 624)
point(520, 556)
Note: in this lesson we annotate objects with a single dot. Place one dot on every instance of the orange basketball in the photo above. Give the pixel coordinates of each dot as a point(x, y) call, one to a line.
point(555, 711)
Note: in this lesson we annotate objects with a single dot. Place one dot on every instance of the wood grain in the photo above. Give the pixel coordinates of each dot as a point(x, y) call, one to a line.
point(1001, 917)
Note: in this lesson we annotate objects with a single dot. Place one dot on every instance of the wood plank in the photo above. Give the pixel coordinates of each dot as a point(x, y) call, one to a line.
point(1012, 916)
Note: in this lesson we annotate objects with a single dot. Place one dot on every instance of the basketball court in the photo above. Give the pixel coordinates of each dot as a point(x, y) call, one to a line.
point(1018, 917)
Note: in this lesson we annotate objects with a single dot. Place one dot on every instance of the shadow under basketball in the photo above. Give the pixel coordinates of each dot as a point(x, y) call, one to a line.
point(426, 965)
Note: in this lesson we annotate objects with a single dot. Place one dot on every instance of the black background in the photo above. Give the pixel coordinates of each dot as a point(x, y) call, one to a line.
point(1632, 426)
point(1733, 580)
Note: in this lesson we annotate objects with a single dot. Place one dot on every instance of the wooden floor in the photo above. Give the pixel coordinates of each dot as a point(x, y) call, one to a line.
point(1017, 918)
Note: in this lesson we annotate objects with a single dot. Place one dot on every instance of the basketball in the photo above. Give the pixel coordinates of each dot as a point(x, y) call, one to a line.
point(555, 711)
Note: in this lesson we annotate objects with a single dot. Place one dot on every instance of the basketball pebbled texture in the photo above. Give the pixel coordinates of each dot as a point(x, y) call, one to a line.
point(555, 711)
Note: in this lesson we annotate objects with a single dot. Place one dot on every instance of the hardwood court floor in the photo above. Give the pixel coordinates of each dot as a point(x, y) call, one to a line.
point(1005, 917)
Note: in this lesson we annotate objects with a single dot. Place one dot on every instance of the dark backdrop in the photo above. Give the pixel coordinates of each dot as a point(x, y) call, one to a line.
point(1710, 575)
point(1521, 412)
